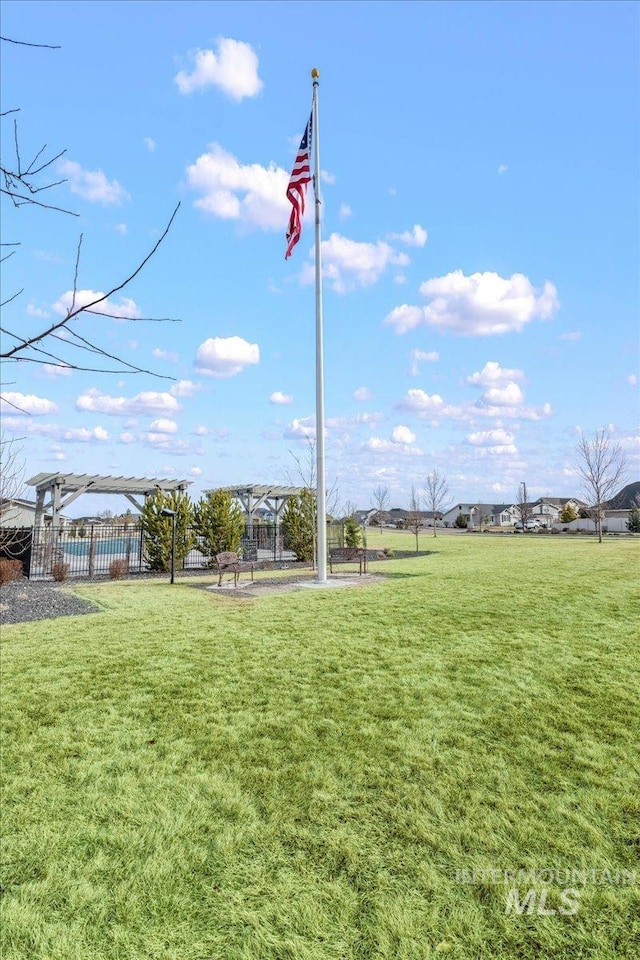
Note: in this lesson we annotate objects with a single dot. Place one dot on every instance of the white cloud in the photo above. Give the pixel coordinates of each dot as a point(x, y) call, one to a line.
point(421, 402)
point(184, 388)
point(491, 438)
point(508, 396)
point(27, 404)
point(347, 264)
point(83, 435)
point(234, 69)
point(195, 472)
point(378, 445)
point(251, 193)
point(92, 185)
point(225, 356)
point(363, 393)
point(301, 428)
point(34, 311)
point(502, 168)
point(422, 356)
point(493, 375)
point(417, 237)
point(143, 404)
point(345, 211)
point(150, 144)
point(327, 177)
point(127, 309)
point(52, 371)
point(127, 437)
point(281, 398)
point(402, 434)
point(632, 379)
point(357, 420)
point(201, 431)
point(163, 425)
point(482, 304)
point(161, 354)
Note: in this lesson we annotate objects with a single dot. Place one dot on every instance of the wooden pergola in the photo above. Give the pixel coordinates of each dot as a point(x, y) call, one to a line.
point(64, 488)
point(254, 496)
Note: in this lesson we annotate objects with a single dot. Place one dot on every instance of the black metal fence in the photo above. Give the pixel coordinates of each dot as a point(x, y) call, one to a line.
point(98, 550)
point(93, 551)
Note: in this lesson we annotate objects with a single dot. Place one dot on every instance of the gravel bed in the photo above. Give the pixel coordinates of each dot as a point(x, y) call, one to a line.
point(23, 600)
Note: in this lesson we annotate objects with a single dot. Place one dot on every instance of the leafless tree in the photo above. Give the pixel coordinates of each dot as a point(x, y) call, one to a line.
point(304, 474)
point(60, 344)
point(11, 480)
point(602, 466)
point(437, 495)
point(380, 499)
point(414, 515)
point(523, 506)
point(349, 509)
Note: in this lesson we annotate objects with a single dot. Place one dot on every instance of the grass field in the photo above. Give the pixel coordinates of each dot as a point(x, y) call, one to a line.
point(308, 776)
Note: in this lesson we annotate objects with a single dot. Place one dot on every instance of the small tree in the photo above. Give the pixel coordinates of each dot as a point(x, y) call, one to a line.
point(352, 532)
point(437, 495)
point(633, 523)
point(158, 530)
point(568, 514)
point(461, 522)
point(601, 466)
point(414, 515)
point(299, 525)
point(380, 500)
point(523, 506)
point(219, 521)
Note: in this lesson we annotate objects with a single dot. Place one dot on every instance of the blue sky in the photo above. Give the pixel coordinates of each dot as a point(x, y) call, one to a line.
point(480, 239)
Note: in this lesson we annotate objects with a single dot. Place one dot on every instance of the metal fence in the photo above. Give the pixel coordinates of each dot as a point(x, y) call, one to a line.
point(92, 551)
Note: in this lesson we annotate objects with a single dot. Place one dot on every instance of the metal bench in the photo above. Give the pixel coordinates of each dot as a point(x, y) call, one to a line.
point(348, 555)
point(229, 562)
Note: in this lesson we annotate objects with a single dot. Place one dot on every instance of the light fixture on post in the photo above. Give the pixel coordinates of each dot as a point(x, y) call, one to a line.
point(165, 512)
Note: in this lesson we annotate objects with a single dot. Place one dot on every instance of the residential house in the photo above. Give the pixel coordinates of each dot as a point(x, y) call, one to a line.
point(547, 509)
point(17, 512)
point(465, 510)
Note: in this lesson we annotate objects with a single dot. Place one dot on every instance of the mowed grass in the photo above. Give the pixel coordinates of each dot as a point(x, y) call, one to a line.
point(196, 777)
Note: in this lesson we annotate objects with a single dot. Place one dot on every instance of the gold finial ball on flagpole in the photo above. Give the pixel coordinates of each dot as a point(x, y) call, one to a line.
point(315, 73)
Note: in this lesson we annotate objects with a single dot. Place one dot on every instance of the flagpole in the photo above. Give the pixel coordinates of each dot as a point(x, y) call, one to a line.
point(321, 537)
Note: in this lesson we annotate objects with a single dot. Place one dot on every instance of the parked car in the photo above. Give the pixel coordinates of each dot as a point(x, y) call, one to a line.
point(531, 525)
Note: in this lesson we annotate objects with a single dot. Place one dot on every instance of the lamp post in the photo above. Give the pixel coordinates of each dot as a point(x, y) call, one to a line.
point(165, 512)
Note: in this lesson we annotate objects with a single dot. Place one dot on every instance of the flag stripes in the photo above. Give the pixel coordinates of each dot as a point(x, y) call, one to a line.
point(297, 189)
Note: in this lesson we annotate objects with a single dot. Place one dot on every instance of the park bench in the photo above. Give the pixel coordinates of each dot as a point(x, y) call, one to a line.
point(229, 562)
point(348, 555)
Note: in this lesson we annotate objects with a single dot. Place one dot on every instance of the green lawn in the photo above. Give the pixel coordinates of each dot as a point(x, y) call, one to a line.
point(300, 777)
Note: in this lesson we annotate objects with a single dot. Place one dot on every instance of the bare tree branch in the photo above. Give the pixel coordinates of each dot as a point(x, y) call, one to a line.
point(24, 43)
point(602, 466)
point(5, 302)
point(76, 311)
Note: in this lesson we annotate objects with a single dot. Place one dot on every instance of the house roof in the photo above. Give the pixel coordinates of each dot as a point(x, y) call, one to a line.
point(558, 501)
point(627, 498)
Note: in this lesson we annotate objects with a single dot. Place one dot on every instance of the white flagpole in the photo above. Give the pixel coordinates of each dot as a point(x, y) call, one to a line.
point(321, 537)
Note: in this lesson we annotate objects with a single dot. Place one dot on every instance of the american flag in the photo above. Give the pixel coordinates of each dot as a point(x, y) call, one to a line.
point(297, 189)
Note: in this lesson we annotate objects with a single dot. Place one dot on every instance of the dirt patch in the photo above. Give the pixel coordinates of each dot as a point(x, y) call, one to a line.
point(278, 585)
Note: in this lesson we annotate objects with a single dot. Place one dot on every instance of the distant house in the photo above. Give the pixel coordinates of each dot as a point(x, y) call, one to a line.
point(18, 512)
point(465, 510)
point(364, 517)
point(500, 514)
point(548, 509)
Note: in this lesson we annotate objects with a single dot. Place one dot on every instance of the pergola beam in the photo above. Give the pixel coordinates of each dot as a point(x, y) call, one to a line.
point(64, 488)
